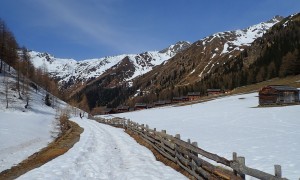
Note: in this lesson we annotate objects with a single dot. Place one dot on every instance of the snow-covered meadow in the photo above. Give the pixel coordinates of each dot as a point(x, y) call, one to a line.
point(23, 131)
point(265, 136)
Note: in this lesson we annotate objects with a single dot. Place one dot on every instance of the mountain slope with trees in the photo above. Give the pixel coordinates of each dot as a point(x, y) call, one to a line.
point(13, 57)
point(224, 60)
point(200, 67)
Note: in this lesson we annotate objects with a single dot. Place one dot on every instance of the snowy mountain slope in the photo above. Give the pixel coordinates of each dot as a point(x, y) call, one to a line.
point(70, 71)
point(104, 152)
point(238, 38)
point(220, 47)
point(265, 136)
point(199, 61)
point(23, 131)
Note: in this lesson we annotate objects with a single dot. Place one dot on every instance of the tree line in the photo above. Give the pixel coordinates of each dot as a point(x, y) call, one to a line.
point(16, 57)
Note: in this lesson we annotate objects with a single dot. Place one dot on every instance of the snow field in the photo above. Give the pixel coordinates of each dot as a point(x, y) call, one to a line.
point(264, 136)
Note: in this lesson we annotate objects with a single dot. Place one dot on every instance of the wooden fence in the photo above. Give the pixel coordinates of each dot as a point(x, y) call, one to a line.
point(196, 161)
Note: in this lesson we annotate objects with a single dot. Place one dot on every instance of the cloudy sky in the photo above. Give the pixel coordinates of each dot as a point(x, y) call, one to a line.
point(83, 29)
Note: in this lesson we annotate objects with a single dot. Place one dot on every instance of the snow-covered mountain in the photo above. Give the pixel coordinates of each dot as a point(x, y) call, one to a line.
point(225, 45)
point(70, 71)
point(172, 69)
point(199, 60)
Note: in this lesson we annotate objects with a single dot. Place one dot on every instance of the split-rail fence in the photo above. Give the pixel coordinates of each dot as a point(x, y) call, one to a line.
point(196, 161)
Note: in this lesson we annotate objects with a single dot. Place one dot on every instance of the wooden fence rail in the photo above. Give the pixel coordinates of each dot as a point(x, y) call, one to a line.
point(190, 157)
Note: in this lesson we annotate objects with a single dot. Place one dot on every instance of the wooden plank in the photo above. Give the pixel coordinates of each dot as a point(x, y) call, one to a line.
point(204, 153)
point(253, 172)
point(180, 159)
point(194, 166)
point(168, 143)
point(165, 154)
point(165, 148)
point(162, 146)
point(167, 136)
point(159, 149)
point(207, 166)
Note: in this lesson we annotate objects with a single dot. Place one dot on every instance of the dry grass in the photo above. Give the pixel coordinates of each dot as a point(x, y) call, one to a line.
point(290, 80)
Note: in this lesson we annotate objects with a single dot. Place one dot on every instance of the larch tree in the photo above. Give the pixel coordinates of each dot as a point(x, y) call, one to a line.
point(2, 43)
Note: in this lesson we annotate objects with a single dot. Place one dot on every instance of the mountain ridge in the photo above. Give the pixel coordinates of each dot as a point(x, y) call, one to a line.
point(158, 72)
point(69, 71)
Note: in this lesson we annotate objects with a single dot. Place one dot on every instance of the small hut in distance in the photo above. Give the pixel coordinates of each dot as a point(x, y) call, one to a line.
point(278, 94)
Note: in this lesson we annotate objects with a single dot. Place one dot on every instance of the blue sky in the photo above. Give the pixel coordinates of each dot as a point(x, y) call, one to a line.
point(83, 29)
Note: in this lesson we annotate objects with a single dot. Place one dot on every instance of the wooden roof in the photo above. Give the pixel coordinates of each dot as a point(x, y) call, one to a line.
point(283, 88)
point(140, 105)
point(213, 90)
point(123, 107)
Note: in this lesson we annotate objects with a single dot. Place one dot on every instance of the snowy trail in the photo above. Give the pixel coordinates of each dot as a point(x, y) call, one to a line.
point(104, 152)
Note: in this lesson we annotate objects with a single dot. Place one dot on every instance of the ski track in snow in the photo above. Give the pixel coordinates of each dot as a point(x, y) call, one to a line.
point(104, 152)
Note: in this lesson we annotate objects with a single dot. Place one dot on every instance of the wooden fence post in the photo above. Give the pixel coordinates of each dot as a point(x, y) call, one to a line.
point(196, 145)
point(234, 158)
point(242, 163)
point(278, 172)
point(128, 123)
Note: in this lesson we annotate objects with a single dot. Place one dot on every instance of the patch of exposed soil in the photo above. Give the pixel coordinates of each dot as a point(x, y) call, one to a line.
point(58, 147)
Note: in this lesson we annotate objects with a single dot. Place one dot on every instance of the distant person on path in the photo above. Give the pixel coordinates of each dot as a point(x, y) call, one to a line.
point(80, 115)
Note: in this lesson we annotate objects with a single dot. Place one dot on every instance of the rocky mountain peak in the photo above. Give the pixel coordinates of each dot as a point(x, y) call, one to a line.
point(275, 19)
point(175, 48)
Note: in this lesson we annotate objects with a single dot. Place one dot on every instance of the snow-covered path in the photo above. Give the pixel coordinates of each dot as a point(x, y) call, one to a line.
point(104, 152)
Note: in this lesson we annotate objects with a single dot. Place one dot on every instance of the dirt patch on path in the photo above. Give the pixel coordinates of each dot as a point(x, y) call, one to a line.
point(58, 147)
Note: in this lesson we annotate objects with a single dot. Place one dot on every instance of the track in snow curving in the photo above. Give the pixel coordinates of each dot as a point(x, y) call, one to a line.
point(104, 152)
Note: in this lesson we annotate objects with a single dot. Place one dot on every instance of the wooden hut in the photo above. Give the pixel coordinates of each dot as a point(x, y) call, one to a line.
point(211, 92)
point(193, 95)
point(139, 106)
point(180, 99)
point(278, 94)
point(121, 109)
point(159, 103)
point(167, 102)
point(108, 111)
